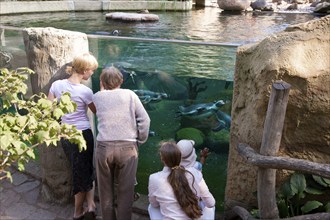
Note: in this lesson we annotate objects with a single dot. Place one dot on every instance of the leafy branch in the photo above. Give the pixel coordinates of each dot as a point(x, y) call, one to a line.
point(25, 124)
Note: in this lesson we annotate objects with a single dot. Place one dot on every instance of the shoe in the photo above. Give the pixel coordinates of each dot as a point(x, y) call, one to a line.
point(91, 215)
point(79, 218)
point(136, 196)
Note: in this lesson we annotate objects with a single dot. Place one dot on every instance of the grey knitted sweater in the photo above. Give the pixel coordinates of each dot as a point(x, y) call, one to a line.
point(120, 116)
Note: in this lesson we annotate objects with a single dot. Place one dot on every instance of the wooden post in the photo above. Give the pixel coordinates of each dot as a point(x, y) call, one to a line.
point(270, 144)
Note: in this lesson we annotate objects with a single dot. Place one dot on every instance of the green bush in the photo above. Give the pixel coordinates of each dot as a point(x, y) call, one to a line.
point(301, 194)
point(25, 124)
point(191, 134)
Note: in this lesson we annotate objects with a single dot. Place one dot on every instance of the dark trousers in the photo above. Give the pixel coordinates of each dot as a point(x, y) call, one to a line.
point(83, 172)
point(116, 164)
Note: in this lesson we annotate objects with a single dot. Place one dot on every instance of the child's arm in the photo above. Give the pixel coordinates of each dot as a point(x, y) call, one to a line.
point(203, 155)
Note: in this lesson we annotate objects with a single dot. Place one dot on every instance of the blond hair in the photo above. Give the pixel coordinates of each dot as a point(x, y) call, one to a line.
point(82, 63)
point(111, 78)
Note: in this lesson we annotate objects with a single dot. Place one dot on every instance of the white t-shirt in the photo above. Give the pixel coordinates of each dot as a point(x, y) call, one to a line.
point(81, 95)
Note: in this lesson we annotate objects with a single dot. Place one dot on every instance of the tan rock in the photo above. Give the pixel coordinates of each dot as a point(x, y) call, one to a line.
point(300, 55)
point(48, 49)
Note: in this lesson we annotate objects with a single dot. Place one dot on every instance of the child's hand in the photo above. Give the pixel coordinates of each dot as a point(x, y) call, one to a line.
point(204, 153)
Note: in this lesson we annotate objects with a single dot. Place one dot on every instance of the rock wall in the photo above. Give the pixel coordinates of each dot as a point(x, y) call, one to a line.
point(300, 56)
point(48, 51)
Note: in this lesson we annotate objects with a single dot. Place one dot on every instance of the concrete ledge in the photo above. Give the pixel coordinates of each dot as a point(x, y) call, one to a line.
point(14, 7)
point(32, 7)
point(87, 6)
point(150, 5)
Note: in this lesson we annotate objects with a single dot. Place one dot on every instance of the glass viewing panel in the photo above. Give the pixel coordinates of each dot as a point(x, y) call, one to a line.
point(185, 88)
point(12, 49)
point(187, 92)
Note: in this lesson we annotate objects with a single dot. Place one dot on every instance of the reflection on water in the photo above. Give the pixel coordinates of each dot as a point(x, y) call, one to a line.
point(186, 89)
point(209, 24)
point(211, 62)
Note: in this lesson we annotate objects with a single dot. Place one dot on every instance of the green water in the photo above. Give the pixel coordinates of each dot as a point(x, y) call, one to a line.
point(188, 75)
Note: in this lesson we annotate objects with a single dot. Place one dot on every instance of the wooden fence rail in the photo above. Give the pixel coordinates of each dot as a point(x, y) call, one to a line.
point(286, 163)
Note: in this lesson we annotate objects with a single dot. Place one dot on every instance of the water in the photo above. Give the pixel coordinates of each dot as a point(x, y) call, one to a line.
point(192, 76)
point(209, 24)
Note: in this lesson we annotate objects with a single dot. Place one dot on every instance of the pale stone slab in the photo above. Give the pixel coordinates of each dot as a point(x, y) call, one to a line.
point(132, 16)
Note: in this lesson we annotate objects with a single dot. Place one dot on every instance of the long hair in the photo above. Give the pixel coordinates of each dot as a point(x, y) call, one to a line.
point(82, 63)
point(171, 156)
point(111, 78)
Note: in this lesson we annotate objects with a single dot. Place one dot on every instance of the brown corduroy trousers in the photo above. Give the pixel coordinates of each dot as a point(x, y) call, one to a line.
point(116, 165)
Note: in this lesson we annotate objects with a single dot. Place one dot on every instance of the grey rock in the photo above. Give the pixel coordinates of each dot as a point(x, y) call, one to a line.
point(234, 5)
point(19, 178)
point(27, 186)
point(323, 7)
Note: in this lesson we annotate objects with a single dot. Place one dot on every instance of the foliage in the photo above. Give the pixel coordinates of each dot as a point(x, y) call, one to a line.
point(298, 195)
point(191, 134)
point(25, 124)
